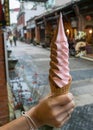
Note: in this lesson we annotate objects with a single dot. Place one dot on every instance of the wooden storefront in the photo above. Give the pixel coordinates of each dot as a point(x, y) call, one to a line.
point(77, 16)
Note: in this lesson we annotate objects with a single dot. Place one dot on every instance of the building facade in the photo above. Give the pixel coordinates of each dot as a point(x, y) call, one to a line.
point(78, 22)
point(24, 15)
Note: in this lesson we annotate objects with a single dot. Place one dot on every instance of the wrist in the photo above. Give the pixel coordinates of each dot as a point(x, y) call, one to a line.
point(34, 115)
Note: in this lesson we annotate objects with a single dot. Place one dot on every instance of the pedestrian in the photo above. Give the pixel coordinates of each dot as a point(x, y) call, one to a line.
point(14, 39)
point(11, 39)
point(53, 111)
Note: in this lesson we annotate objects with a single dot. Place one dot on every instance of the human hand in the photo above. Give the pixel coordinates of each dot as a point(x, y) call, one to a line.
point(53, 111)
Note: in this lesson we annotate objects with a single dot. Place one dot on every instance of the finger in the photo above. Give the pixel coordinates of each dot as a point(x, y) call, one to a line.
point(62, 99)
point(64, 115)
point(69, 106)
point(62, 109)
point(67, 117)
point(64, 121)
point(69, 112)
point(60, 121)
point(62, 118)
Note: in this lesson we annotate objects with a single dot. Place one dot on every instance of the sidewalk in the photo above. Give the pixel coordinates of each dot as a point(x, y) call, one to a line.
point(28, 86)
point(88, 57)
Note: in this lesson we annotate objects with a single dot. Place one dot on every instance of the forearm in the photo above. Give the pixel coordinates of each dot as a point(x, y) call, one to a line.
point(18, 124)
point(25, 122)
point(52, 111)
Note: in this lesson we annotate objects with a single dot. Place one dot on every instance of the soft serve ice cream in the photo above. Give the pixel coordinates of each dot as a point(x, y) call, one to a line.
point(59, 73)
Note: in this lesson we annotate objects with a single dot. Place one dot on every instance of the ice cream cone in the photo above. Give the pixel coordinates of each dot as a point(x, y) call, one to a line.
point(59, 76)
point(55, 90)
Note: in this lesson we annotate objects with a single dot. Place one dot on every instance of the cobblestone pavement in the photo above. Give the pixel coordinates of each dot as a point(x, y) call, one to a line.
point(81, 119)
point(36, 74)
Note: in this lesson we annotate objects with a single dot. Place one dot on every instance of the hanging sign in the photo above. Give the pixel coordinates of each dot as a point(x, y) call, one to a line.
point(4, 13)
point(1, 14)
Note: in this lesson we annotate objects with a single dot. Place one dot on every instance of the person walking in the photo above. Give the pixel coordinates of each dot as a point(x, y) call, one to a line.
point(14, 39)
point(11, 39)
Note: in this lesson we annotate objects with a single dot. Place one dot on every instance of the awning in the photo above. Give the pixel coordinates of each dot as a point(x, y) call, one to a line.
point(31, 26)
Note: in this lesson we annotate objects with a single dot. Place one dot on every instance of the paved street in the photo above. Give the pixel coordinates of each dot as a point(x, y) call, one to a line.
point(81, 70)
point(35, 61)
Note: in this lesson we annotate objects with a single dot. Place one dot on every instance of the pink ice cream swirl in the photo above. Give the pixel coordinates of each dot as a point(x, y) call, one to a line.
point(59, 64)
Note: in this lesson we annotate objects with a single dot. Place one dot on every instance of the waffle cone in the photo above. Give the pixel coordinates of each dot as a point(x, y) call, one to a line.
point(55, 90)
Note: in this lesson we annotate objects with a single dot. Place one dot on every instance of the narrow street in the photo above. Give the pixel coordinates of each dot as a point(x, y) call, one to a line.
point(81, 70)
point(27, 29)
point(35, 60)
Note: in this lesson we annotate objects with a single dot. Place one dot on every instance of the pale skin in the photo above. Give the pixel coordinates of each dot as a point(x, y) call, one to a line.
point(52, 111)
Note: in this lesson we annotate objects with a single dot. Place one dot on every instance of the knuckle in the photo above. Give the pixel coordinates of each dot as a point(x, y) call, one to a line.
point(73, 104)
point(71, 111)
point(53, 115)
point(70, 97)
point(49, 105)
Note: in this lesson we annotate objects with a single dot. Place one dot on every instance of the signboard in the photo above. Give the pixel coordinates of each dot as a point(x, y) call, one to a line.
point(2, 21)
point(4, 13)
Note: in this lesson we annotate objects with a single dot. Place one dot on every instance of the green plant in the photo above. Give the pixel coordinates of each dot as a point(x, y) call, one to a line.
point(81, 35)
